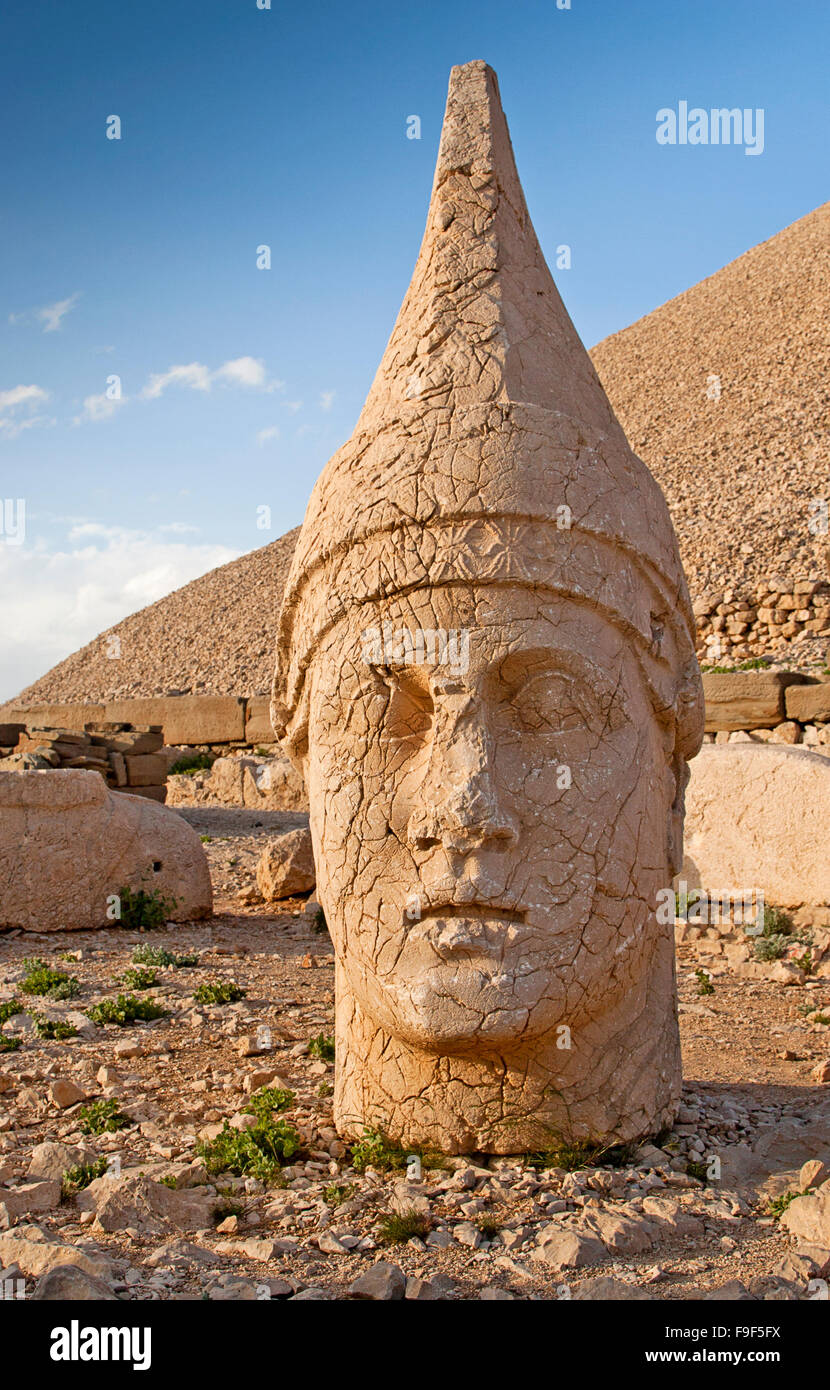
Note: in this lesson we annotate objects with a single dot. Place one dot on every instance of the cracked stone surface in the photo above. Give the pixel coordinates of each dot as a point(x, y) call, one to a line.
point(757, 817)
point(68, 844)
point(486, 675)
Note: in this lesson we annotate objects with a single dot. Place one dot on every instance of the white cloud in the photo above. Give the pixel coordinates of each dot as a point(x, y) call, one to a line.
point(269, 433)
point(242, 371)
point(21, 395)
point(96, 408)
point(194, 375)
point(237, 371)
point(326, 399)
point(11, 424)
point(65, 597)
point(293, 406)
point(52, 314)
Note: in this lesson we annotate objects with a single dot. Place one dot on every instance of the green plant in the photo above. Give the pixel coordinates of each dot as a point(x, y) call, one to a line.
point(52, 1029)
point(769, 948)
point(489, 1225)
point(219, 992)
point(226, 1208)
point(124, 1010)
point(575, 1154)
point(158, 956)
point(258, 1152)
point(190, 763)
point(397, 1227)
point(142, 910)
point(325, 1089)
point(269, 1101)
point(75, 1179)
point(778, 1205)
point(821, 1018)
point(683, 901)
point(777, 922)
point(41, 979)
point(322, 1046)
point(206, 839)
point(336, 1193)
point(805, 963)
point(320, 924)
point(9, 1044)
point(704, 984)
point(140, 977)
point(102, 1117)
point(755, 663)
point(375, 1149)
point(9, 1009)
point(696, 1169)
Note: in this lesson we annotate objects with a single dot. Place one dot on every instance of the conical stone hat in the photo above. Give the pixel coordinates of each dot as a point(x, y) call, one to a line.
point(487, 450)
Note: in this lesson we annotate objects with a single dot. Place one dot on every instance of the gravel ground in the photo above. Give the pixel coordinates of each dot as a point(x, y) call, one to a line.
point(748, 1057)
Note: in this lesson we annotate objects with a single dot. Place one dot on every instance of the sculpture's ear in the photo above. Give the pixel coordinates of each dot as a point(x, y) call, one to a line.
point(296, 750)
point(677, 813)
point(291, 729)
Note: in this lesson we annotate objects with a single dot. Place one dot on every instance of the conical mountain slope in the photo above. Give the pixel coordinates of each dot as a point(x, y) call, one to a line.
point(725, 393)
point(211, 637)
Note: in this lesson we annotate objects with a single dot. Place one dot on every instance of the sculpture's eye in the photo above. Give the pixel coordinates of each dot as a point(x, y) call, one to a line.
point(549, 703)
point(409, 710)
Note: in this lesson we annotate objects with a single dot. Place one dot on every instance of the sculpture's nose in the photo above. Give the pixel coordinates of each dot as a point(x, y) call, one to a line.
point(458, 803)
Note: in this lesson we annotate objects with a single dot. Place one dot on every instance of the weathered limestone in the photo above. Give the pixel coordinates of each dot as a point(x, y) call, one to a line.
point(185, 719)
point(258, 727)
point(271, 784)
point(286, 867)
point(67, 844)
point(809, 703)
point(756, 818)
point(486, 674)
point(746, 699)
point(808, 1218)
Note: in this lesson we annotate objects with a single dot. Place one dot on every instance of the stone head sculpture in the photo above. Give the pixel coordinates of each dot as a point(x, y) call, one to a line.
point(486, 673)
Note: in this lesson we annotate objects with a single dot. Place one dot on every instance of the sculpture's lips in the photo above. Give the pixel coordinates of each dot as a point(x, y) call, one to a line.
point(482, 912)
point(469, 929)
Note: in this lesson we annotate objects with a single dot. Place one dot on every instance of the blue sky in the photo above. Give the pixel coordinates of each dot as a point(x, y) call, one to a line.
point(288, 127)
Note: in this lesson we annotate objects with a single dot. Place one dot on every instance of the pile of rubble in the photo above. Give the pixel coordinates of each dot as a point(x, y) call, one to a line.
point(129, 758)
point(739, 623)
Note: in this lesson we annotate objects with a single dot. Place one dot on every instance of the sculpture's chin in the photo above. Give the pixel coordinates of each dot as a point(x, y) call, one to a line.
point(463, 1011)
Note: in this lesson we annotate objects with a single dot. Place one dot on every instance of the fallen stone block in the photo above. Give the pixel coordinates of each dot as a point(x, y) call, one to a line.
point(756, 820)
point(746, 699)
point(383, 1283)
point(28, 1200)
point(84, 844)
point(809, 704)
point(186, 719)
point(71, 1282)
point(286, 866)
point(145, 769)
point(567, 1249)
point(808, 1217)
point(148, 1206)
point(36, 1252)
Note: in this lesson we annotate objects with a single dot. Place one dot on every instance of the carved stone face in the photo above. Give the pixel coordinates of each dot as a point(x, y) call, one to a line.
point(490, 818)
